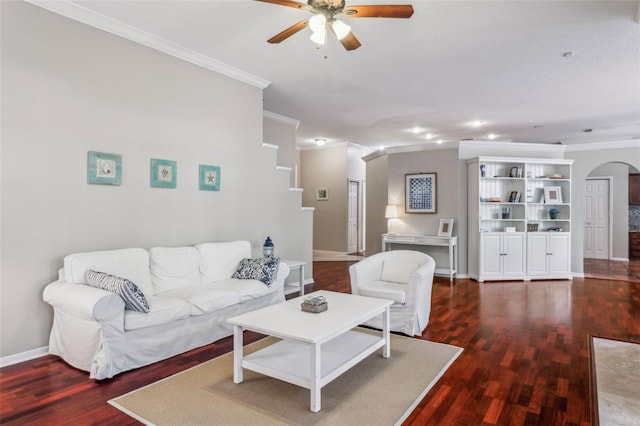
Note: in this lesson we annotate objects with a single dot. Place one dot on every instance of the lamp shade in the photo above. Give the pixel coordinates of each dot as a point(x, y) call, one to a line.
point(391, 212)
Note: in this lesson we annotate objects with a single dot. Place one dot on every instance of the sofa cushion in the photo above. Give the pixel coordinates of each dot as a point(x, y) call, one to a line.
point(205, 300)
point(131, 263)
point(246, 289)
point(219, 261)
point(384, 290)
point(397, 272)
point(262, 269)
point(134, 299)
point(174, 267)
point(162, 310)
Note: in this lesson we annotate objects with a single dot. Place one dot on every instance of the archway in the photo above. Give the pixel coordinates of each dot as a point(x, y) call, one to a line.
point(608, 218)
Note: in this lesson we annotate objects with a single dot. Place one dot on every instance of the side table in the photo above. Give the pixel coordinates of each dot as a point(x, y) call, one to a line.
point(293, 265)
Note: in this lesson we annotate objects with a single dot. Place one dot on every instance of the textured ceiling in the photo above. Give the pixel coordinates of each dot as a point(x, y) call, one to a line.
point(503, 62)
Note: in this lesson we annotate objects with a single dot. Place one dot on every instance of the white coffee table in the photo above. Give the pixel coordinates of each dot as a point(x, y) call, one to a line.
point(315, 348)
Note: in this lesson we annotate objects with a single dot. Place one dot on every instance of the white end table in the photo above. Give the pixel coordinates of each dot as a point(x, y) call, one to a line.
point(293, 265)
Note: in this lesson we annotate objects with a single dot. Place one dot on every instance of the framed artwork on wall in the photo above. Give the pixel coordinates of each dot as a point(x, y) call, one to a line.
point(446, 228)
point(164, 173)
point(420, 193)
point(209, 178)
point(322, 194)
point(104, 169)
point(552, 195)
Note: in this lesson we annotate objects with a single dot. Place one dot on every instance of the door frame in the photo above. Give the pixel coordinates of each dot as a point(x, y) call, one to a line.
point(358, 214)
point(609, 180)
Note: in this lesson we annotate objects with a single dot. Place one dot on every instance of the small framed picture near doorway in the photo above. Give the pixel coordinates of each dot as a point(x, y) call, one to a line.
point(420, 193)
point(553, 195)
point(322, 194)
point(445, 228)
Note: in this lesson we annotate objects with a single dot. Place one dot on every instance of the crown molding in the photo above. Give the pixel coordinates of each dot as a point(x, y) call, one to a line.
point(513, 146)
point(410, 148)
point(599, 146)
point(281, 118)
point(110, 25)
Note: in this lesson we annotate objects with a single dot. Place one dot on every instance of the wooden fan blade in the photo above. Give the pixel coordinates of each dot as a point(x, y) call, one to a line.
point(350, 42)
point(288, 3)
point(380, 11)
point(289, 31)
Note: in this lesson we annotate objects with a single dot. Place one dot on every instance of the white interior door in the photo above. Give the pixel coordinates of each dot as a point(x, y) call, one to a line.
point(352, 217)
point(596, 218)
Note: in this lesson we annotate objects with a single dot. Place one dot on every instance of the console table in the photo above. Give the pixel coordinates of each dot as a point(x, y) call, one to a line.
point(427, 240)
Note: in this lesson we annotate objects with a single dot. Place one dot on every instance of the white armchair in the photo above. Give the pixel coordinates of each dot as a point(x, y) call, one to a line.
point(404, 276)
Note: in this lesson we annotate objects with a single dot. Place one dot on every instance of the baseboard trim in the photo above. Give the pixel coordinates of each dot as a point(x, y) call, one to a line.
point(620, 259)
point(24, 356)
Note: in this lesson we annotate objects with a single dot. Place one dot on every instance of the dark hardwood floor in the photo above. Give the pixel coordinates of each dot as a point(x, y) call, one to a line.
point(525, 359)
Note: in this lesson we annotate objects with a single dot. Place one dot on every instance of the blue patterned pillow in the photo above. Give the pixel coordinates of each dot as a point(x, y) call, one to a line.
point(262, 268)
point(134, 298)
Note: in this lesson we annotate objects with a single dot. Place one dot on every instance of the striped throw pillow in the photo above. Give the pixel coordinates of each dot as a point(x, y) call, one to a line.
point(134, 298)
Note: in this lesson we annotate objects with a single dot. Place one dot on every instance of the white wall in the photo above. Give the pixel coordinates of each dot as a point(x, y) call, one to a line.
point(68, 89)
point(280, 131)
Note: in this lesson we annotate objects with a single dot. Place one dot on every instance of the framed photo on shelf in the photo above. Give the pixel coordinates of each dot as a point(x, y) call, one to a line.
point(552, 195)
point(445, 228)
point(514, 197)
point(322, 194)
point(420, 193)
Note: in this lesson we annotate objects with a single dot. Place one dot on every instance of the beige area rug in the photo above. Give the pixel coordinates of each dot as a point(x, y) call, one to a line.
point(617, 381)
point(334, 256)
point(377, 391)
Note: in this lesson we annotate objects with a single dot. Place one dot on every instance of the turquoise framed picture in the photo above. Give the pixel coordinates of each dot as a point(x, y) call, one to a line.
point(104, 169)
point(209, 178)
point(164, 173)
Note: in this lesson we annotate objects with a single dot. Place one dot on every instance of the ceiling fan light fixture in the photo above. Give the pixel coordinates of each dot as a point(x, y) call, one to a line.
point(340, 29)
point(319, 37)
point(318, 23)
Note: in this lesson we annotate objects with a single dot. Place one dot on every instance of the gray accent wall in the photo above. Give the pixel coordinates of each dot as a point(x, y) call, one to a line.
point(67, 89)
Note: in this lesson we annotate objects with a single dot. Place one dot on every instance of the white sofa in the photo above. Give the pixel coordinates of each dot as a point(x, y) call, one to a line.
point(190, 294)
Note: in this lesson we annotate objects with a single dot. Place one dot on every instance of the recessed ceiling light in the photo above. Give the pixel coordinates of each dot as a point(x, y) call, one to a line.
point(429, 136)
point(477, 123)
point(415, 130)
point(320, 141)
point(381, 148)
point(492, 136)
point(439, 141)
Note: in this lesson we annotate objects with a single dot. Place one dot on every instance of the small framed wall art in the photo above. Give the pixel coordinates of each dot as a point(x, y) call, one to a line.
point(446, 228)
point(164, 173)
point(104, 169)
point(322, 194)
point(209, 178)
point(420, 193)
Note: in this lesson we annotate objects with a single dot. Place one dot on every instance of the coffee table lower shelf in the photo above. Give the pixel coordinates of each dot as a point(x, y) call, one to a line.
point(292, 361)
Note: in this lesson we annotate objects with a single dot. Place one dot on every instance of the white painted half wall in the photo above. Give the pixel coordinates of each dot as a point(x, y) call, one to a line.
point(67, 89)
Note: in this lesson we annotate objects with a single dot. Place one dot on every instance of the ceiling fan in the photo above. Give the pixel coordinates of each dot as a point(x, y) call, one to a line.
point(324, 16)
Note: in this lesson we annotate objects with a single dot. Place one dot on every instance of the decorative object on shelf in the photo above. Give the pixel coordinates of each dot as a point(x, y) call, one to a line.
point(268, 249)
point(553, 213)
point(322, 194)
point(506, 212)
point(510, 229)
point(446, 228)
point(483, 170)
point(164, 173)
point(553, 195)
point(104, 169)
point(515, 172)
point(209, 178)
point(555, 176)
point(532, 227)
point(314, 304)
point(420, 193)
point(514, 197)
